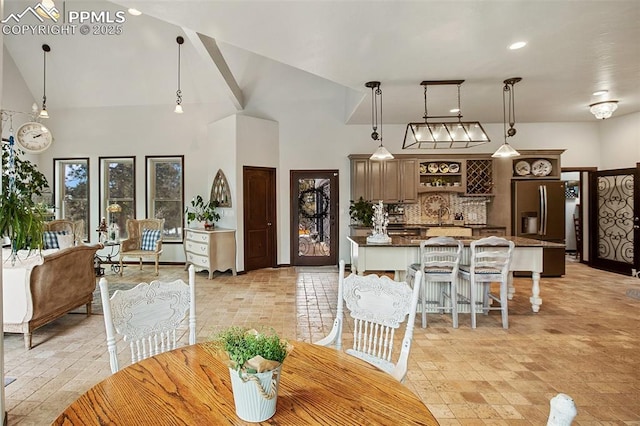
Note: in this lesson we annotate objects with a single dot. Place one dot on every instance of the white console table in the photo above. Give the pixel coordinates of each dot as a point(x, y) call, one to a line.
point(210, 249)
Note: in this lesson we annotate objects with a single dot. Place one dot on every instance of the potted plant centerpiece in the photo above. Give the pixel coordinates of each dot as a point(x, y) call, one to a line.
point(21, 218)
point(200, 211)
point(255, 362)
point(361, 212)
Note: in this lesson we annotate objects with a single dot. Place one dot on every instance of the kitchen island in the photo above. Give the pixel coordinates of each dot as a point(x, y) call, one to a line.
point(403, 251)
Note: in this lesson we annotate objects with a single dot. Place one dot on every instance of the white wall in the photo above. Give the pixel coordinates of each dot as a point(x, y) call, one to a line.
point(620, 141)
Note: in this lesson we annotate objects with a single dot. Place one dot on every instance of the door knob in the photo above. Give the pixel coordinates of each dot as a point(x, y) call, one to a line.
point(268, 223)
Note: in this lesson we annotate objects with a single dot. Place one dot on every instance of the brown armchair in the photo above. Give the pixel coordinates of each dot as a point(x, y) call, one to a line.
point(144, 239)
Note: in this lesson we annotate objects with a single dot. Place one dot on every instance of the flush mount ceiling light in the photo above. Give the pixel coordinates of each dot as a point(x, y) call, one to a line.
point(376, 98)
point(178, 109)
point(43, 112)
point(603, 109)
point(444, 134)
point(505, 149)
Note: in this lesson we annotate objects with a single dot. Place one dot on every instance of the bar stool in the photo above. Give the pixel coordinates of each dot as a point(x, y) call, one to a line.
point(440, 258)
point(490, 259)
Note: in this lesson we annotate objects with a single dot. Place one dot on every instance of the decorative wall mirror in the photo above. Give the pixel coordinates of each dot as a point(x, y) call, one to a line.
point(220, 190)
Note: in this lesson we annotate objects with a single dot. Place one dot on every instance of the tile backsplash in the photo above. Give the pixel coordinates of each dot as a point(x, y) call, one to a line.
point(431, 205)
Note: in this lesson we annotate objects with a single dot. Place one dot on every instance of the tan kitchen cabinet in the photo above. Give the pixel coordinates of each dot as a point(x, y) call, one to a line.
point(392, 181)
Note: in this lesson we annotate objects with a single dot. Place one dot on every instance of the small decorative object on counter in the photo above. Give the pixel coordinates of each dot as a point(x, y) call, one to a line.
point(114, 232)
point(458, 219)
point(380, 222)
point(102, 230)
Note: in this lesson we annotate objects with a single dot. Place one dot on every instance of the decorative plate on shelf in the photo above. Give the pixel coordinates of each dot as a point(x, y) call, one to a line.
point(444, 168)
point(541, 167)
point(423, 169)
point(454, 168)
point(433, 167)
point(433, 204)
point(522, 168)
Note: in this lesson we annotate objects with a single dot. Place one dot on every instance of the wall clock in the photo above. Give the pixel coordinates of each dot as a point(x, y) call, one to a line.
point(34, 137)
point(541, 168)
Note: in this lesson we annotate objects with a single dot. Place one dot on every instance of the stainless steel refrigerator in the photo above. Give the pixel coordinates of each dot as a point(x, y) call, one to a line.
point(538, 212)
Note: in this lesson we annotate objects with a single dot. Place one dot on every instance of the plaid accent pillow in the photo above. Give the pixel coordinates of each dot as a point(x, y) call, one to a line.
point(51, 239)
point(149, 239)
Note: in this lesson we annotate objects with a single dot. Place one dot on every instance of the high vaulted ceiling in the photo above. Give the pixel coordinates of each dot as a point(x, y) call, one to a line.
point(574, 48)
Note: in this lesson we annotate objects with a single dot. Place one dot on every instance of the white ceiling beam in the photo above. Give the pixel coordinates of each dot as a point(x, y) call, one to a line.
point(209, 50)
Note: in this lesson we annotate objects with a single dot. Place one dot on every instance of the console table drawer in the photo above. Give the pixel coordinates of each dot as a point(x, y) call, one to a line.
point(198, 260)
point(197, 236)
point(197, 248)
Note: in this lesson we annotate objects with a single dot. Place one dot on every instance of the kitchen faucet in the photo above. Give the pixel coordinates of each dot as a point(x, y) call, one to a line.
point(441, 212)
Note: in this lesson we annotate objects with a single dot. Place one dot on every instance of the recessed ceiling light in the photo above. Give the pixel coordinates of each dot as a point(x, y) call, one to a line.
point(518, 45)
point(600, 92)
point(134, 12)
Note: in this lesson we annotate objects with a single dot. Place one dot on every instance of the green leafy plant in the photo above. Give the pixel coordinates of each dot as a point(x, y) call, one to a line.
point(240, 344)
point(361, 211)
point(21, 218)
point(201, 211)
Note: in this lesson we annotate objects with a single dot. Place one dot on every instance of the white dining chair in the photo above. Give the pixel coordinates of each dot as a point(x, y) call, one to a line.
point(148, 316)
point(378, 306)
point(490, 260)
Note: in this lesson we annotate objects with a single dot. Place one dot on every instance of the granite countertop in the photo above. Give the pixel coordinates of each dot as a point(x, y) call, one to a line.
point(401, 241)
point(435, 225)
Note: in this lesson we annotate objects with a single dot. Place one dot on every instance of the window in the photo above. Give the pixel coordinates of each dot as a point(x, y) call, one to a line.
point(117, 186)
point(165, 194)
point(71, 189)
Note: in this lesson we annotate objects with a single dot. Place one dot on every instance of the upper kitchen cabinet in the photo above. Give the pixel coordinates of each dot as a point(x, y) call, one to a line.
point(538, 164)
point(442, 175)
point(392, 181)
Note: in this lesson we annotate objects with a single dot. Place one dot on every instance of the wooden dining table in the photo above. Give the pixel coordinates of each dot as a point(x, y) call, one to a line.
point(192, 386)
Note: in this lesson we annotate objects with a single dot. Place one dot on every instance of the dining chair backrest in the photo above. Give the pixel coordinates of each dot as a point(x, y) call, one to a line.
point(440, 261)
point(490, 259)
point(440, 258)
point(148, 316)
point(378, 306)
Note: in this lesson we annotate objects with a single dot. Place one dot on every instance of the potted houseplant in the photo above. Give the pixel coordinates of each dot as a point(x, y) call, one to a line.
point(361, 212)
point(21, 218)
point(255, 362)
point(202, 212)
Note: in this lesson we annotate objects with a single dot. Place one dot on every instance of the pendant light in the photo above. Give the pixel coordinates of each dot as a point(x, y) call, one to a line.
point(43, 111)
point(178, 109)
point(381, 153)
point(507, 150)
point(444, 134)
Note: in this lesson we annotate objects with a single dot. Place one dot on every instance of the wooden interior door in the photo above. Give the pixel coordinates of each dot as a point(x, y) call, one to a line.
point(259, 217)
point(617, 221)
point(314, 227)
